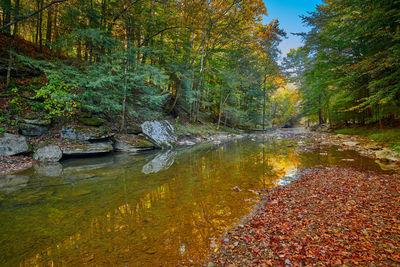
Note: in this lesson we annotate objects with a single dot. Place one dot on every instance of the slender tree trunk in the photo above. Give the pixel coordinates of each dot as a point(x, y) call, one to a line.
point(11, 46)
point(128, 47)
point(263, 116)
point(7, 15)
point(78, 49)
point(197, 106)
point(40, 27)
point(49, 25)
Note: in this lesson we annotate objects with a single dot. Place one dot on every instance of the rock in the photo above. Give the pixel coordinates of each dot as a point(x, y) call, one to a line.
point(85, 133)
point(372, 146)
point(161, 162)
point(387, 154)
point(321, 128)
point(387, 166)
point(134, 129)
point(37, 122)
point(126, 143)
point(28, 129)
point(54, 169)
point(87, 149)
point(351, 143)
point(185, 143)
point(11, 145)
point(49, 153)
point(91, 121)
point(236, 189)
point(162, 133)
point(11, 183)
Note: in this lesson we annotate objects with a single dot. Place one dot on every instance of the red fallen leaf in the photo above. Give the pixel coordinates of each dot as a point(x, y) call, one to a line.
point(247, 239)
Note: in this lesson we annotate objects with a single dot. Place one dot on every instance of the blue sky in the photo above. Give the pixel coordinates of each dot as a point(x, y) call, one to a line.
point(288, 12)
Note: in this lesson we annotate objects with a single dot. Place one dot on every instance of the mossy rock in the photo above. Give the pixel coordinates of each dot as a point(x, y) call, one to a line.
point(134, 129)
point(85, 133)
point(91, 121)
point(126, 143)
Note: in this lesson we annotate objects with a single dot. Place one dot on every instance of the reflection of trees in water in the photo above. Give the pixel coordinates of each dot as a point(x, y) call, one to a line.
point(124, 215)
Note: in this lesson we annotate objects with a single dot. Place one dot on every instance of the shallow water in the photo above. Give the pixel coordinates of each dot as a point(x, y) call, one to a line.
point(160, 208)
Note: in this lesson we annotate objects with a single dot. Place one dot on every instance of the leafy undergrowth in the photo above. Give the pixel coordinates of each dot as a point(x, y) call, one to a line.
point(328, 217)
point(389, 137)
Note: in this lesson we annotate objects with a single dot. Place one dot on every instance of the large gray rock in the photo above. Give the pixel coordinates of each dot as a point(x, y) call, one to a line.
point(11, 145)
point(162, 133)
point(28, 129)
point(87, 149)
point(85, 133)
point(161, 162)
point(49, 153)
point(133, 144)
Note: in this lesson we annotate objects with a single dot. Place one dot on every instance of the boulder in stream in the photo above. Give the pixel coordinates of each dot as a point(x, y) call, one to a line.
point(11, 145)
point(49, 153)
point(160, 132)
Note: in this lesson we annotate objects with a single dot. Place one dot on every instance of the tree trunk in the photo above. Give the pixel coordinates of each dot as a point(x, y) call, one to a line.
point(7, 15)
point(49, 25)
point(11, 47)
point(40, 28)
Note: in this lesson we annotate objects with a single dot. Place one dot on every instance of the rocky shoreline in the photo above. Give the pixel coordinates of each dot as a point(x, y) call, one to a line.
point(21, 151)
point(86, 141)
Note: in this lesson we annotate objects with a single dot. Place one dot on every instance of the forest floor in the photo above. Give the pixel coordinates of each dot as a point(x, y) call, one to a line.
point(329, 216)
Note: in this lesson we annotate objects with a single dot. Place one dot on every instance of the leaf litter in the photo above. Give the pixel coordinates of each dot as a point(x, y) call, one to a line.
point(332, 216)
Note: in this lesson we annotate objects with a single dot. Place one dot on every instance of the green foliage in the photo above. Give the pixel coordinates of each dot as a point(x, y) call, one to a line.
point(389, 137)
point(349, 70)
point(58, 99)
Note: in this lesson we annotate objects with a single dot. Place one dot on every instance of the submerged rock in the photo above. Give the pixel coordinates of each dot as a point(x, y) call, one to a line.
point(162, 133)
point(85, 133)
point(49, 153)
point(11, 145)
point(12, 183)
point(87, 149)
point(161, 162)
point(53, 169)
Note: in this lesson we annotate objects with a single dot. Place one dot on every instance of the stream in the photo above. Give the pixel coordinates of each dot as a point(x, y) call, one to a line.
point(158, 208)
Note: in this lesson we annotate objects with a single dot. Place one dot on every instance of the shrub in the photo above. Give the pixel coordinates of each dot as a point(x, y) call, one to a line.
point(59, 99)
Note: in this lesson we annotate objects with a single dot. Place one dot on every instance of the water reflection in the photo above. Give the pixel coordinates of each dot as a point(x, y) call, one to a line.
point(142, 210)
point(161, 162)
